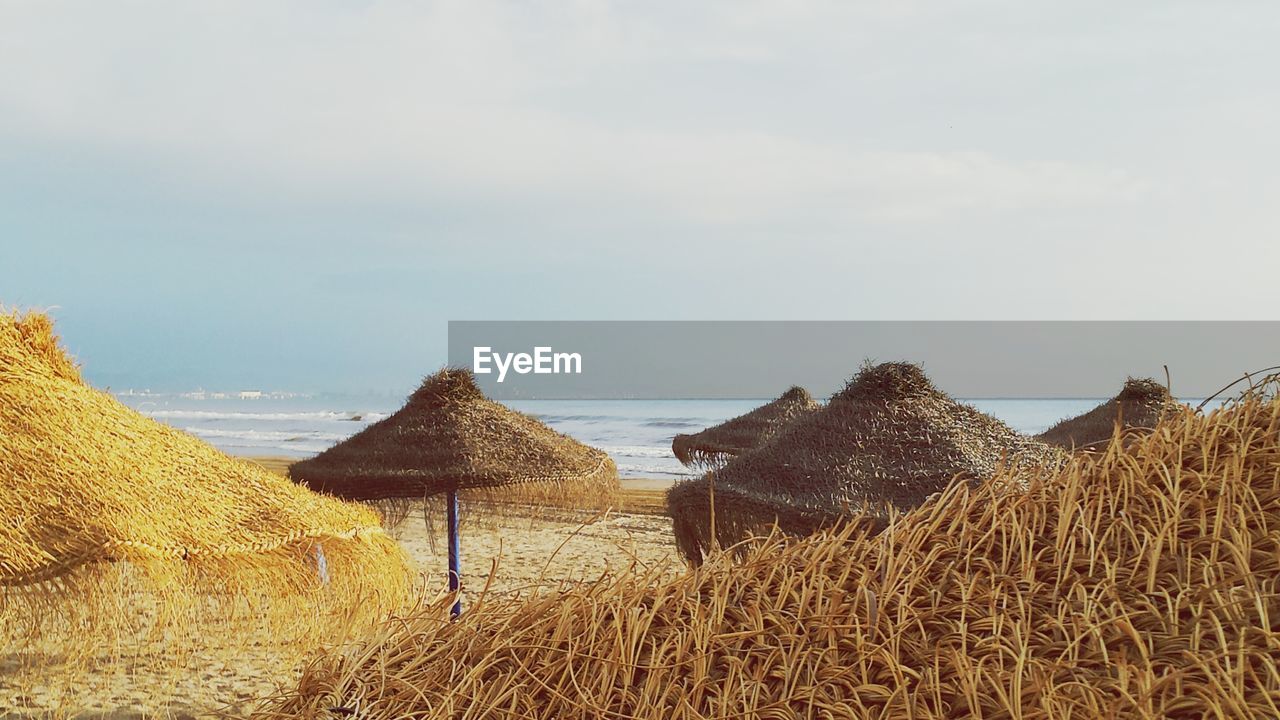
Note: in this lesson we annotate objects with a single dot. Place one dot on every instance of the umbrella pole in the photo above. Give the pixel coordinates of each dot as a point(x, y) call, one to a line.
point(455, 552)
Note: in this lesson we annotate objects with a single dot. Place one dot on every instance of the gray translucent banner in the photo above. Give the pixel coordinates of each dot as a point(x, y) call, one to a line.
point(717, 359)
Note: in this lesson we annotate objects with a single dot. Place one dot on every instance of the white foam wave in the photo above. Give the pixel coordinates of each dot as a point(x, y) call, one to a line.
point(266, 436)
point(626, 469)
point(251, 416)
point(638, 451)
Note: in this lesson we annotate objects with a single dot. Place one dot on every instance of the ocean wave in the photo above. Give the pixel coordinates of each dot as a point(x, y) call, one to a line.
point(552, 419)
point(262, 437)
point(650, 470)
point(213, 415)
point(636, 434)
point(638, 451)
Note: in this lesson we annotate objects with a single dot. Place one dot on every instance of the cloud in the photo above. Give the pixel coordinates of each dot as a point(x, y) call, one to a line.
point(914, 158)
point(408, 101)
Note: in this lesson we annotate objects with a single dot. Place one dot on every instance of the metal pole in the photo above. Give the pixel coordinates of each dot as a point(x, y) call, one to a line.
point(455, 552)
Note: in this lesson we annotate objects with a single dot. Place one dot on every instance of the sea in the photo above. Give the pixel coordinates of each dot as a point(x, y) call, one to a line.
point(636, 433)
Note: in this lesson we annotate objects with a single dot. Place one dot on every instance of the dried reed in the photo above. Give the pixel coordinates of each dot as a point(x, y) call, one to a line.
point(121, 531)
point(1142, 581)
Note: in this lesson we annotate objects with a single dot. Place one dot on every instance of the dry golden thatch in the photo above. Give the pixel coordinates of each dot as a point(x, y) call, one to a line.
point(716, 445)
point(1139, 406)
point(1140, 582)
point(450, 436)
point(889, 439)
point(101, 503)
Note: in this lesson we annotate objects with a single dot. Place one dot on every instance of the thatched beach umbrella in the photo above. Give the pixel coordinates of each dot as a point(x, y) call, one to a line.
point(450, 437)
point(1140, 405)
point(718, 444)
point(889, 439)
point(95, 495)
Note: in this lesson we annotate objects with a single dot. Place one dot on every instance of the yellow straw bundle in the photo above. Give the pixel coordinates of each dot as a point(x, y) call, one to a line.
point(117, 527)
point(1137, 582)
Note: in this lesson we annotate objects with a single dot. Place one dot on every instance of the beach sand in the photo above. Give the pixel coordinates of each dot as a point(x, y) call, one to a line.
point(525, 549)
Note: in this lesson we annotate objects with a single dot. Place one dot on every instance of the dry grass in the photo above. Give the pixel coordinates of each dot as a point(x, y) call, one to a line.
point(450, 436)
point(1140, 581)
point(119, 530)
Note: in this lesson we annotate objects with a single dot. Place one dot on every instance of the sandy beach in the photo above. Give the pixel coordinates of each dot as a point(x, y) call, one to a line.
point(524, 549)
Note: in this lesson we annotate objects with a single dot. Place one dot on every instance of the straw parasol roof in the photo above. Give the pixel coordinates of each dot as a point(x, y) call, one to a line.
point(716, 445)
point(449, 436)
point(91, 490)
point(889, 439)
point(1139, 405)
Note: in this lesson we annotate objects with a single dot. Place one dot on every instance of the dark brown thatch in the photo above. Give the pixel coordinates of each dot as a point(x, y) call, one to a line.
point(717, 445)
point(888, 440)
point(450, 436)
point(1140, 405)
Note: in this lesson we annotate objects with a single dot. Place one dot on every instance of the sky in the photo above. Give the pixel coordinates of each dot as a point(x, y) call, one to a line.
point(300, 195)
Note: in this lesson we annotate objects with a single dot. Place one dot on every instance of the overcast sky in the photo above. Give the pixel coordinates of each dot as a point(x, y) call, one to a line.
point(299, 195)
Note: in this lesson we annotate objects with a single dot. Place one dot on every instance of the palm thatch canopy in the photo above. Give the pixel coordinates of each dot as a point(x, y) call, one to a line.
point(889, 439)
point(1140, 404)
point(716, 445)
point(449, 436)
